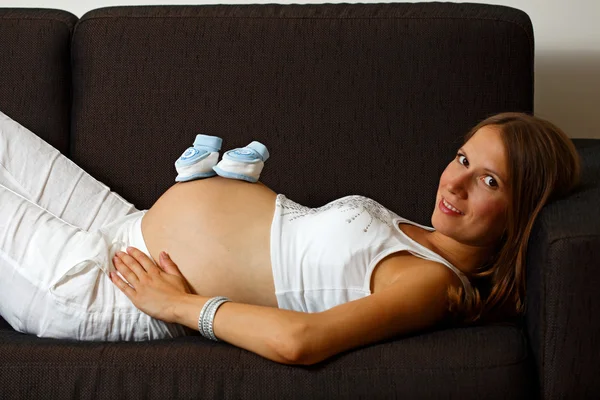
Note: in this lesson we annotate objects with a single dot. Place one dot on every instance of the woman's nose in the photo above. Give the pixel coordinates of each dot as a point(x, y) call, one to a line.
point(457, 185)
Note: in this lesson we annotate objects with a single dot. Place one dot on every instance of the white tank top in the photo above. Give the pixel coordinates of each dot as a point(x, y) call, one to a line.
point(324, 256)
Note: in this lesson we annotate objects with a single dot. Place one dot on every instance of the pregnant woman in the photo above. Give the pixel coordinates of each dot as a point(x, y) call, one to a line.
point(255, 269)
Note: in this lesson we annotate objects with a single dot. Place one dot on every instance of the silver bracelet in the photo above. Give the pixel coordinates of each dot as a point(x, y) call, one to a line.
point(201, 317)
point(211, 317)
point(207, 316)
point(202, 321)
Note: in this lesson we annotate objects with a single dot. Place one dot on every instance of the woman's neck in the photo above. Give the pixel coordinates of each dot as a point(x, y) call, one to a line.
point(464, 257)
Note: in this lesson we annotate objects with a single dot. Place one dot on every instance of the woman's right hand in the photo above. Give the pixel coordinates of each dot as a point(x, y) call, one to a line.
point(152, 289)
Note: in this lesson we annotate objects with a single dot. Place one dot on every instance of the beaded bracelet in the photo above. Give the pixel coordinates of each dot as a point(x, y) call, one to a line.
point(207, 316)
point(211, 317)
point(201, 317)
point(202, 320)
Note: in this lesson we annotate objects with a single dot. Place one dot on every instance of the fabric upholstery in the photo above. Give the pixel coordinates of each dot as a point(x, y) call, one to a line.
point(484, 362)
point(324, 87)
point(35, 73)
point(562, 287)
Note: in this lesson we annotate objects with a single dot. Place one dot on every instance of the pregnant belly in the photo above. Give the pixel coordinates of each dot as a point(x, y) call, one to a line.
point(217, 231)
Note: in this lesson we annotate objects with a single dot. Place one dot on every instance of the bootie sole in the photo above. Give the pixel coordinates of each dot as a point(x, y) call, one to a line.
point(233, 175)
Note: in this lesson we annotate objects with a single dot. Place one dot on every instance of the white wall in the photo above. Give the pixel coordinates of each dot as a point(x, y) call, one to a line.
point(567, 56)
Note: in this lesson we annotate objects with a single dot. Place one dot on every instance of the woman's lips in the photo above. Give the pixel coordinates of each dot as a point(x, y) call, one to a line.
point(448, 208)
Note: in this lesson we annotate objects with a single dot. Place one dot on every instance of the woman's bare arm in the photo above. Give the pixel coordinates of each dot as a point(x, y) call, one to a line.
point(270, 332)
point(413, 302)
point(163, 294)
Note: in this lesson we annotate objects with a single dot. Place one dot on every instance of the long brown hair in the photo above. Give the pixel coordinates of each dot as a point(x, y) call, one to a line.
point(543, 165)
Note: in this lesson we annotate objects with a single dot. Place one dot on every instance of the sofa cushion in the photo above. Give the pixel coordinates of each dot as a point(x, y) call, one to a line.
point(369, 99)
point(35, 80)
point(489, 362)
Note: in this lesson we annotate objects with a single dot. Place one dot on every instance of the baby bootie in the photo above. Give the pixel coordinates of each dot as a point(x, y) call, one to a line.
point(197, 161)
point(245, 163)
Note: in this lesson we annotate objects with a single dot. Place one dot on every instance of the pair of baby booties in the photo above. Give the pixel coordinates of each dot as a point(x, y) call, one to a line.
point(202, 160)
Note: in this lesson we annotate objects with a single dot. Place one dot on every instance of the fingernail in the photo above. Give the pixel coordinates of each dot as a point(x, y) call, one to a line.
point(129, 248)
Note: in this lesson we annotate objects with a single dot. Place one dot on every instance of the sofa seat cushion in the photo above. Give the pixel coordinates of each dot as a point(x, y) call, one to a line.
point(478, 362)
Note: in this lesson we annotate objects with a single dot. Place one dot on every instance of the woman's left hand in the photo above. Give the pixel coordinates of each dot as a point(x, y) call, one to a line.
point(152, 289)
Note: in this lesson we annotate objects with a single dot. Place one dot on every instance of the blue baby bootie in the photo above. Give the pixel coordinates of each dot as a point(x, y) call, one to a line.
point(197, 161)
point(245, 163)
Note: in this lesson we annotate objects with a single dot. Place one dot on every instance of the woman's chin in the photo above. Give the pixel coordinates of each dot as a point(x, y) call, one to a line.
point(446, 226)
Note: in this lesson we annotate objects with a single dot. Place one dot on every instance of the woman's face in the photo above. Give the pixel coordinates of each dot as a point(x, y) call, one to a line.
point(473, 193)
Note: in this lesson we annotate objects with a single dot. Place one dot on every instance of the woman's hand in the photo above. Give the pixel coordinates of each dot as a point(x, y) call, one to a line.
point(152, 289)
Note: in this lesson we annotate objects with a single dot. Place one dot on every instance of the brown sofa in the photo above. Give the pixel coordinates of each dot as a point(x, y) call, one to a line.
point(350, 99)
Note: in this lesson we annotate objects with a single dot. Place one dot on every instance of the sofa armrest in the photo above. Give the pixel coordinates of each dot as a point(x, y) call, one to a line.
point(563, 275)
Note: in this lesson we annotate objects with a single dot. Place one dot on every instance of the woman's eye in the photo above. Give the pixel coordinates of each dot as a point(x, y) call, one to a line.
point(490, 181)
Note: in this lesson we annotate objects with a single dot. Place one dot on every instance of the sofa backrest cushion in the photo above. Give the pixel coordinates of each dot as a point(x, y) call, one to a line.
point(368, 99)
point(35, 81)
point(35, 71)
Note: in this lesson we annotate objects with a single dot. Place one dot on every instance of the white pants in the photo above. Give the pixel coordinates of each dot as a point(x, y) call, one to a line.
point(59, 228)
